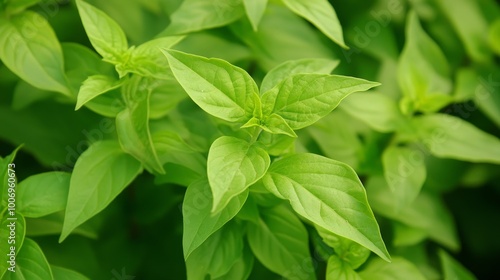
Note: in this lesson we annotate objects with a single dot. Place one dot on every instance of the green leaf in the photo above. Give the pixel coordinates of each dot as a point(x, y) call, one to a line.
point(217, 255)
point(105, 35)
point(132, 124)
point(299, 66)
point(405, 173)
point(199, 223)
point(279, 240)
point(30, 264)
point(377, 110)
point(29, 48)
point(452, 269)
point(219, 88)
point(100, 174)
point(303, 99)
point(233, 165)
point(337, 269)
point(451, 137)
point(427, 212)
point(399, 268)
point(7, 167)
point(11, 242)
point(348, 252)
point(255, 11)
point(196, 15)
point(322, 15)
point(61, 273)
point(472, 31)
point(94, 86)
point(423, 71)
point(329, 194)
point(43, 194)
point(148, 60)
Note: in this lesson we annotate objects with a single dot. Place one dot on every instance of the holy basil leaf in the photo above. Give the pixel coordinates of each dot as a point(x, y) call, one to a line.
point(453, 269)
point(29, 48)
point(100, 174)
point(451, 137)
point(30, 264)
point(347, 251)
point(399, 268)
point(322, 15)
point(148, 60)
point(217, 255)
point(303, 99)
point(279, 240)
point(329, 194)
point(337, 269)
point(196, 15)
point(105, 35)
point(405, 173)
point(299, 66)
point(233, 165)
point(43, 194)
point(255, 11)
point(94, 86)
point(61, 273)
point(199, 223)
point(132, 124)
point(219, 88)
point(423, 71)
point(11, 242)
point(378, 111)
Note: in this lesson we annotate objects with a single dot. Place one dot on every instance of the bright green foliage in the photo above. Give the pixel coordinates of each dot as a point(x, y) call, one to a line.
point(30, 264)
point(233, 165)
point(249, 139)
point(307, 180)
point(321, 14)
point(104, 33)
point(43, 194)
point(303, 99)
point(221, 89)
point(29, 47)
point(200, 223)
point(100, 174)
point(217, 255)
